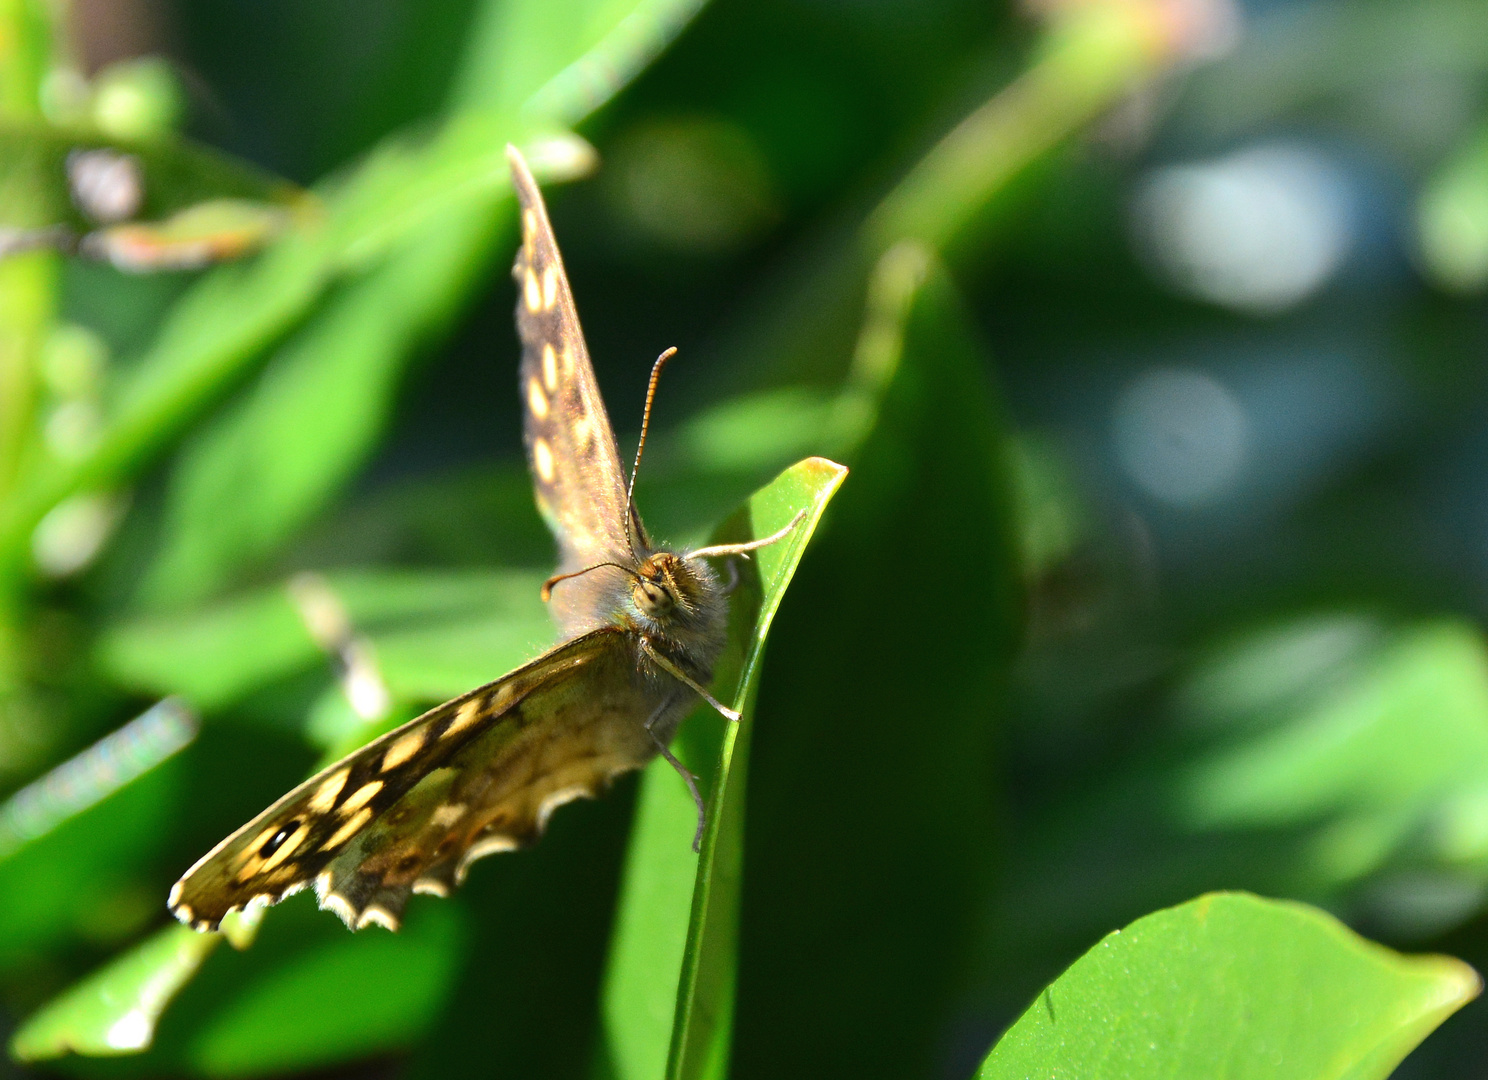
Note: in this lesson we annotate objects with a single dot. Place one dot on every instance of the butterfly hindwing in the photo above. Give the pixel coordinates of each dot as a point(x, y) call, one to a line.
point(409, 811)
point(572, 736)
point(576, 469)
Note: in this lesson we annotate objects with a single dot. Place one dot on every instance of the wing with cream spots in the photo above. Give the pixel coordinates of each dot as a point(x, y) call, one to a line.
point(576, 469)
point(410, 811)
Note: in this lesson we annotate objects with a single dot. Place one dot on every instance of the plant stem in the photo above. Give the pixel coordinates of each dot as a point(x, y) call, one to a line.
point(26, 41)
point(1093, 54)
point(28, 289)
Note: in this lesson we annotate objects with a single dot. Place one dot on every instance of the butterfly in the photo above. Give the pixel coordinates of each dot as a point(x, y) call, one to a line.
point(640, 626)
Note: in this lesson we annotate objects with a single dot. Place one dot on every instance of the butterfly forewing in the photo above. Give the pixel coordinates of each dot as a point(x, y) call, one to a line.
point(576, 469)
point(410, 810)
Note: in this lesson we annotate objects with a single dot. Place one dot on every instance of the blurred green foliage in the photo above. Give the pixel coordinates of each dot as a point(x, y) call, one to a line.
point(1151, 333)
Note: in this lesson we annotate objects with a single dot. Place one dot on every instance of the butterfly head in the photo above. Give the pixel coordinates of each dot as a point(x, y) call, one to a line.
point(665, 586)
point(678, 605)
point(667, 592)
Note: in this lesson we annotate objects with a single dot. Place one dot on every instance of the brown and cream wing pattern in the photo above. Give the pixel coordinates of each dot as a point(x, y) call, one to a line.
point(576, 469)
point(411, 810)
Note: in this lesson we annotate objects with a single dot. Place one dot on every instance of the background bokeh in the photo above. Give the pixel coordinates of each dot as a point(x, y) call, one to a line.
point(1161, 567)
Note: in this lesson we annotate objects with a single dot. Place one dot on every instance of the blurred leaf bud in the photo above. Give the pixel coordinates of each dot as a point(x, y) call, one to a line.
point(137, 99)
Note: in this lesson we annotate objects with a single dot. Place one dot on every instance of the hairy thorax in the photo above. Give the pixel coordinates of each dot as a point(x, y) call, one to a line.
point(678, 605)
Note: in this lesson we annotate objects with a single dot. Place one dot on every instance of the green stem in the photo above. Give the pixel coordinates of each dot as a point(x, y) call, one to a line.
point(27, 301)
point(26, 41)
point(29, 38)
point(1093, 54)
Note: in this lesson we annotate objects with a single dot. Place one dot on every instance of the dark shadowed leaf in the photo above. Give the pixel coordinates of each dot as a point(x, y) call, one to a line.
point(871, 793)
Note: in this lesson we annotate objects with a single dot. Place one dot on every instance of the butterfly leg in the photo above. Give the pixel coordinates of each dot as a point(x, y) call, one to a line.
point(681, 676)
point(733, 578)
point(691, 781)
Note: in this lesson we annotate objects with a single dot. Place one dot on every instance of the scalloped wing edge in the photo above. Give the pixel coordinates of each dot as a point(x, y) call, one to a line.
point(384, 906)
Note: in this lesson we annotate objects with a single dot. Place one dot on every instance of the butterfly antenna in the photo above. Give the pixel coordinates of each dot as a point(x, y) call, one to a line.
point(547, 589)
point(641, 446)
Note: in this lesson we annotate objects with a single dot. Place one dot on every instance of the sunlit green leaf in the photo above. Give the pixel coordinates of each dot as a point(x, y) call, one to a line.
point(1233, 985)
point(1330, 757)
point(557, 60)
point(436, 634)
point(309, 422)
point(1412, 727)
point(115, 1010)
point(260, 1011)
point(669, 991)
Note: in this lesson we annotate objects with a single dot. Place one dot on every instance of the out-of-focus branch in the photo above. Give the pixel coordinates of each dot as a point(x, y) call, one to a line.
point(28, 288)
point(1094, 53)
point(1452, 219)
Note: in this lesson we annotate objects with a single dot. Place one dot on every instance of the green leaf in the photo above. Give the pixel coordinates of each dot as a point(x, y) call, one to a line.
point(260, 1011)
point(115, 1010)
point(261, 470)
point(873, 783)
point(75, 844)
point(558, 60)
point(1358, 748)
point(646, 1027)
point(224, 324)
point(387, 988)
point(212, 657)
point(669, 989)
point(278, 456)
point(1329, 757)
point(436, 634)
point(1232, 985)
point(455, 518)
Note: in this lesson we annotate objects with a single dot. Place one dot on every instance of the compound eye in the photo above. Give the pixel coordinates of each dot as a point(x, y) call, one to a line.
point(651, 597)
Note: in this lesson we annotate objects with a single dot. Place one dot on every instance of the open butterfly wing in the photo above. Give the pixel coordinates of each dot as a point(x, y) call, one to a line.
point(576, 473)
point(411, 810)
point(570, 447)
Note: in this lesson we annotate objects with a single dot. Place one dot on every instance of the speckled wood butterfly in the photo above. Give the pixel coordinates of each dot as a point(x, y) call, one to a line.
point(641, 628)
